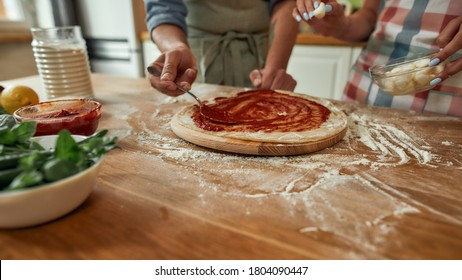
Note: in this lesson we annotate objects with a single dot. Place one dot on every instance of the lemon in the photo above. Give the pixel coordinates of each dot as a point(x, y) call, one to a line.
point(15, 97)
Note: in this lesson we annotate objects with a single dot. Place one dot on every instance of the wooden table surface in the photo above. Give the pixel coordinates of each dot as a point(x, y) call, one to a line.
point(391, 189)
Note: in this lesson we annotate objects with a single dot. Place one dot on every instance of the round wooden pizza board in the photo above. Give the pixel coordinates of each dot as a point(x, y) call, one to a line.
point(253, 147)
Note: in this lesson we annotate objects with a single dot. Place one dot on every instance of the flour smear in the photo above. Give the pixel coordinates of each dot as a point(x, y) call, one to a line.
point(321, 188)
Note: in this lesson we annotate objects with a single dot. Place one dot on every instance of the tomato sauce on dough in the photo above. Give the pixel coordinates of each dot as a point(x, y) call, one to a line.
point(264, 110)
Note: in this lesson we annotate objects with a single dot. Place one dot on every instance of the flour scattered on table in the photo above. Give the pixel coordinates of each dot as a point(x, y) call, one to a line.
point(447, 143)
point(122, 111)
point(391, 145)
point(308, 229)
point(169, 100)
point(310, 187)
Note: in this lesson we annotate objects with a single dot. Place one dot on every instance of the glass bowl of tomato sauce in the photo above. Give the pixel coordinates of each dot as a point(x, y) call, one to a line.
point(79, 116)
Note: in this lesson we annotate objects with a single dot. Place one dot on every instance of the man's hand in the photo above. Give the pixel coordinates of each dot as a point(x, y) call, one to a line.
point(176, 66)
point(272, 79)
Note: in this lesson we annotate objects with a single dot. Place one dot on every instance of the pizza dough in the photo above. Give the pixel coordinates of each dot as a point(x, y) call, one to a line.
point(303, 132)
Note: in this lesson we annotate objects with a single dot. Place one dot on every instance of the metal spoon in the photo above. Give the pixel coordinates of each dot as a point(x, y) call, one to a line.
point(206, 111)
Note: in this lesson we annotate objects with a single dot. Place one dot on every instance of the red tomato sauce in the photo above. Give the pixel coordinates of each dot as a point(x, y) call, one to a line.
point(79, 116)
point(59, 114)
point(85, 124)
point(264, 110)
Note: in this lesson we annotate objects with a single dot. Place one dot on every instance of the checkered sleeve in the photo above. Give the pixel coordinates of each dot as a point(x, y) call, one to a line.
point(406, 28)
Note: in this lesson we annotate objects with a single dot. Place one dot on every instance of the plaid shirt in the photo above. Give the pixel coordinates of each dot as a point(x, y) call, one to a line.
point(407, 27)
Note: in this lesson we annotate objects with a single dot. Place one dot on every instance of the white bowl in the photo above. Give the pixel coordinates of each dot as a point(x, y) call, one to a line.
point(44, 203)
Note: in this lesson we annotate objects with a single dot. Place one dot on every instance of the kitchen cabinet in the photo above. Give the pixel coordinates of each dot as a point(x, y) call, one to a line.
point(322, 70)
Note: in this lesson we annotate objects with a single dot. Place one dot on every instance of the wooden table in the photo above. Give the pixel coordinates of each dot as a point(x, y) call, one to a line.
point(391, 189)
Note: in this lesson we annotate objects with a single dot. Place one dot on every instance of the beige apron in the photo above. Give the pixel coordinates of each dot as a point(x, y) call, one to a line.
point(229, 39)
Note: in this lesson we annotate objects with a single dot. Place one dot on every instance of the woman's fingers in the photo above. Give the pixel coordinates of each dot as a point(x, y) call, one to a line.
point(310, 10)
point(451, 69)
point(334, 9)
point(296, 15)
point(303, 8)
point(450, 40)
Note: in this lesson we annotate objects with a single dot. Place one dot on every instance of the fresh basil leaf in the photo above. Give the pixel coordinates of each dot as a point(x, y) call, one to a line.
point(10, 160)
point(67, 148)
point(36, 146)
point(91, 144)
point(34, 160)
point(26, 179)
point(7, 176)
point(24, 131)
point(99, 134)
point(57, 169)
point(7, 137)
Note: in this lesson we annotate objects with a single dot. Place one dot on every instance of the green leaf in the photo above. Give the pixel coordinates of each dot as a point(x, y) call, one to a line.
point(24, 131)
point(38, 165)
point(57, 169)
point(26, 179)
point(35, 146)
point(91, 144)
point(7, 176)
point(67, 148)
point(7, 137)
point(10, 160)
point(96, 147)
point(3, 111)
point(34, 160)
point(99, 134)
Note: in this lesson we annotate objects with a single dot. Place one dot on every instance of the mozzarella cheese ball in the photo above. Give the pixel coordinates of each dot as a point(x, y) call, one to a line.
point(388, 84)
point(320, 12)
point(403, 84)
point(423, 77)
point(421, 63)
point(415, 76)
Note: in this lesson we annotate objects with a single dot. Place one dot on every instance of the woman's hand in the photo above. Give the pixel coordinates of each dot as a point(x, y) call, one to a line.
point(450, 40)
point(272, 79)
point(353, 28)
point(334, 23)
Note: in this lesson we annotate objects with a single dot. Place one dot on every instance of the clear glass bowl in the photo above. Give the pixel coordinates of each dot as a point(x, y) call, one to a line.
point(407, 75)
point(79, 116)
